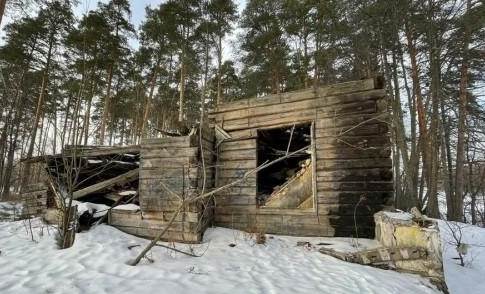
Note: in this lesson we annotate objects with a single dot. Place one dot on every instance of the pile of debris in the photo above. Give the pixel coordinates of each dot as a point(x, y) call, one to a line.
point(296, 192)
point(98, 177)
point(409, 242)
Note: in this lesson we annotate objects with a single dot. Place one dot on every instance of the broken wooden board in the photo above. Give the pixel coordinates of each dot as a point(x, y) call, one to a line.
point(121, 179)
point(379, 256)
point(295, 191)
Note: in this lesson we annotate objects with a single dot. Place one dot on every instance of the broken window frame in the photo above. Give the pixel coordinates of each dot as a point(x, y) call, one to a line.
point(313, 210)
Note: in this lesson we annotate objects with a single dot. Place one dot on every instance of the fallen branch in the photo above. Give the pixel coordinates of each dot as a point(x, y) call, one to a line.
point(177, 250)
point(186, 202)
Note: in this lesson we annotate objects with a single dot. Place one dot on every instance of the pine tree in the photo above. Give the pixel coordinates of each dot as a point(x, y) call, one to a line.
point(266, 50)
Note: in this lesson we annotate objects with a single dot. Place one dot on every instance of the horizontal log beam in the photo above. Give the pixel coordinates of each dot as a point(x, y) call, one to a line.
point(121, 179)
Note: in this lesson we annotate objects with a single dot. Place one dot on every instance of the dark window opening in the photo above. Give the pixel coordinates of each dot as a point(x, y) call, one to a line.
point(288, 183)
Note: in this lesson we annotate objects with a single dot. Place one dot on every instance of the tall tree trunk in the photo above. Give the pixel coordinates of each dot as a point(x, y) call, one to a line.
point(182, 86)
point(3, 3)
point(457, 213)
point(87, 114)
point(432, 207)
point(219, 71)
point(106, 107)
point(66, 122)
point(148, 104)
point(446, 159)
point(418, 97)
point(38, 111)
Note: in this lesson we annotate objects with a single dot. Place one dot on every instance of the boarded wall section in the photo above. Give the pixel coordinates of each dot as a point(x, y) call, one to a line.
point(171, 168)
point(351, 149)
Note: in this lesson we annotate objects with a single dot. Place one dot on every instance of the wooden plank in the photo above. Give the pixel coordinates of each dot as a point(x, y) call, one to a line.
point(164, 140)
point(274, 108)
point(351, 120)
point(243, 191)
point(364, 174)
point(335, 89)
point(324, 103)
point(102, 151)
point(355, 186)
point(248, 182)
point(238, 155)
point(121, 179)
point(236, 200)
point(169, 152)
point(180, 162)
point(237, 164)
point(168, 172)
point(366, 107)
point(288, 117)
point(331, 114)
point(361, 96)
point(353, 153)
point(243, 134)
point(353, 197)
point(361, 130)
point(358, 143)
point(238, 145)
point(354, 163)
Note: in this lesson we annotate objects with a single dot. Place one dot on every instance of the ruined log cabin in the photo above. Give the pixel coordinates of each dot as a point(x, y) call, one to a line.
point(338, 175)
point(328, 169)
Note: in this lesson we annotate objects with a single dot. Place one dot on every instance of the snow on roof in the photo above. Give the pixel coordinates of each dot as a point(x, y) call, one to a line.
point(399, 215)
point(126, 193)
point(131, 207)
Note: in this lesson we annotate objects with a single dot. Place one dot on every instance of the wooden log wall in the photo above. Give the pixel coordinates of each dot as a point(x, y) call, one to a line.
point(34, 199)
point(353, 164)
point(175, 163)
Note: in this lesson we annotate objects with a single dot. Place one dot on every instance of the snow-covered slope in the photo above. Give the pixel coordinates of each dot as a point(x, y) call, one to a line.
point(97, 264)
point(469, 279)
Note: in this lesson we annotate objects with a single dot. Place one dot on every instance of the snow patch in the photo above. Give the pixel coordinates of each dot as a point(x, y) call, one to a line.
point(8, 210)
point(126, 193)
point(98, 209)
point(470, 278)
point(130, 206)
point(400, 215)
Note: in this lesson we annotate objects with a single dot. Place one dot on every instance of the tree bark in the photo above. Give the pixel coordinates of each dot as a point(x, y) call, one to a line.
point(418, 102)
point(219, 65)
point(38, 111)
point(106, 106)
point(432, 208)
point(148, 104)
point(457, 213)
point(3, 3)
point(182, 86)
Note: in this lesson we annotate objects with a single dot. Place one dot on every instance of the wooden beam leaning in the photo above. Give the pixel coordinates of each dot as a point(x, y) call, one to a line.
point(124, 178)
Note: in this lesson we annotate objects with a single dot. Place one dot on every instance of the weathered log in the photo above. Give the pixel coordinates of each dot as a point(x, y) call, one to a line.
point(121, 179)
point(295, 191)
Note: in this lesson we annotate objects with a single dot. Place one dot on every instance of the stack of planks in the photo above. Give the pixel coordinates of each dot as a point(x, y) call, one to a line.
point(170, 168)
point(351, 150)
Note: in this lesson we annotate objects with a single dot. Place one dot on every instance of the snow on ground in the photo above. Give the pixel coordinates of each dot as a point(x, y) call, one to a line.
point(10, 210)
point(471, 278)
point(97, 264)
point(98, 209)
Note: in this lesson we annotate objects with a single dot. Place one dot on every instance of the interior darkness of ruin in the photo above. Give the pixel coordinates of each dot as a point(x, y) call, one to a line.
point(272, 144)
